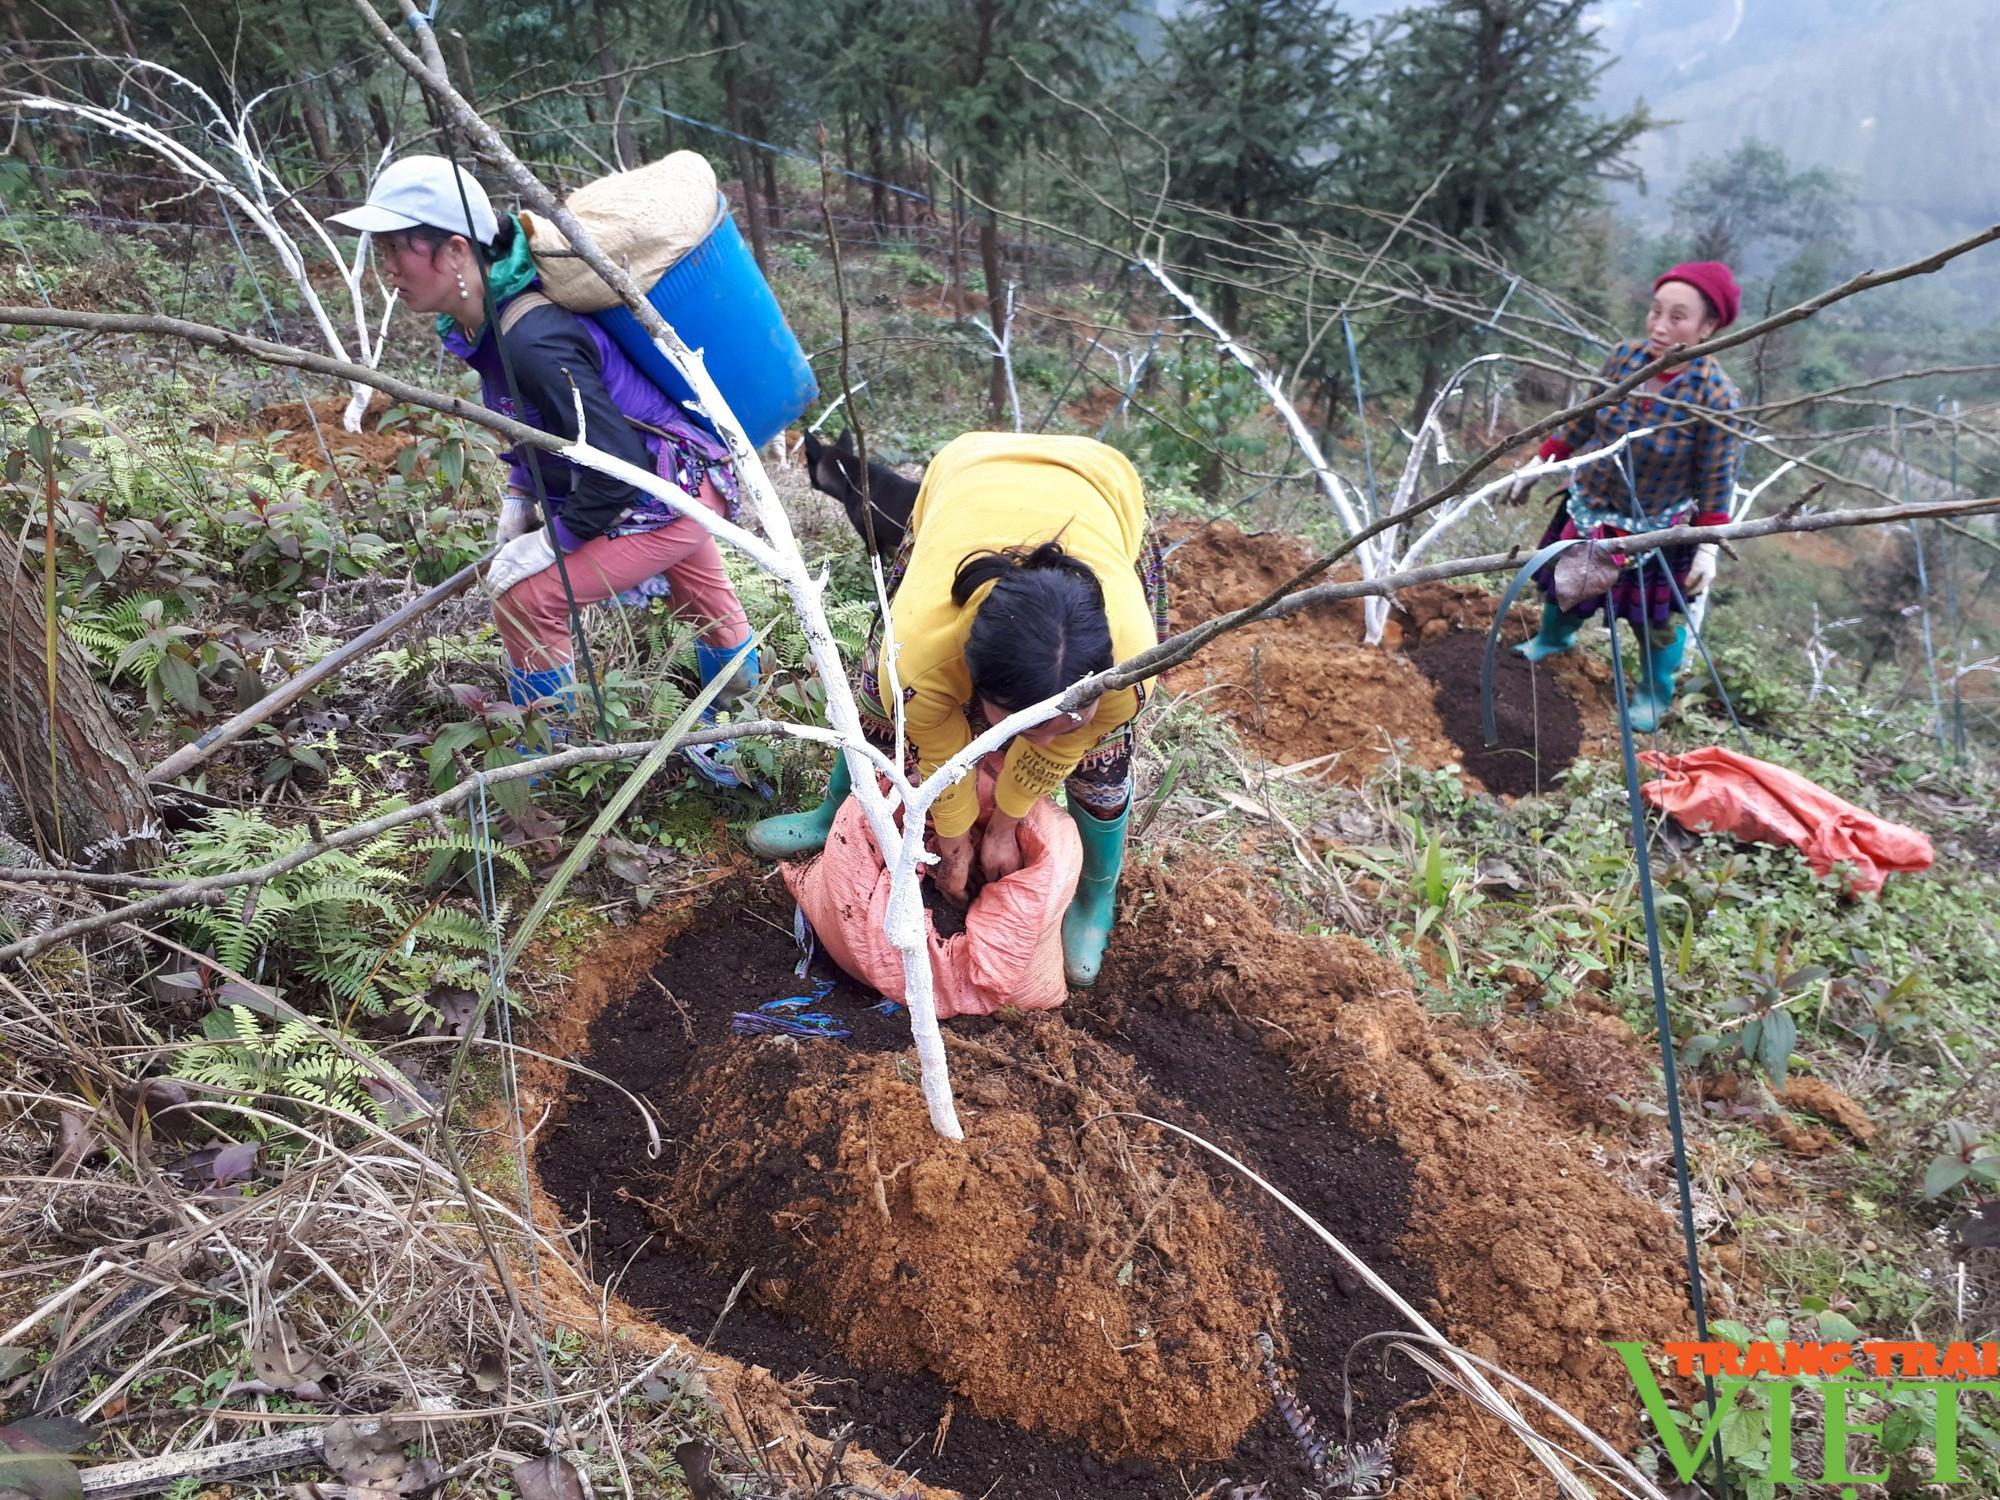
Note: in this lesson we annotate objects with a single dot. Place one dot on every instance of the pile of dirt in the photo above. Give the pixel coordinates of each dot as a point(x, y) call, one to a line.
point(1066, 1302)
point(375, 450)
point(1539, 730)
point(1538, 1255)
point(1048, 1270)
point(1304, 688)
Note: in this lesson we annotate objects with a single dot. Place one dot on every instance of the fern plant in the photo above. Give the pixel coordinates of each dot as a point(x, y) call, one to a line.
point(348, 921)
point(109, 632)
point(290, 1063)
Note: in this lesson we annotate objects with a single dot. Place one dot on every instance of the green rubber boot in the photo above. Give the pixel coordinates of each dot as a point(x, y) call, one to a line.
point(1087, 923)
point(1656, 694)
point(1558, 633)
point(801, 833)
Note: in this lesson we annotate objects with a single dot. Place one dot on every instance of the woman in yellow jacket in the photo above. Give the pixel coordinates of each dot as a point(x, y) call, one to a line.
point(1028, 566)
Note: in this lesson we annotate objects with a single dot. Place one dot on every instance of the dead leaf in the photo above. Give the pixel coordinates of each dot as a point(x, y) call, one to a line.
point(283, 1362)
point(533, 830)
point(156, 1102)
point(36, 1456)
point(488, 1371)
point(234, 1162)
point(14, 1361)
point(176, 989)
point(695, 1459)
point(1495, 873)
point(76, 1143)
point(455, 1008)
point(368, 1456)
point(395, 1102)
point(551, 1477)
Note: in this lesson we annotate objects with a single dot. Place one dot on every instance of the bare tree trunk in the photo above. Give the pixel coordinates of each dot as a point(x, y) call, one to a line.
point(76, 794)
point(996, 308)
point(322, 144)
point(847, 158)
point(666, 120)
point(124, 27)
point(462, 59)
point(771, 207)
point(385, 133)
point(958, 300)
point(728, 34)
point(899, 154)
point(614, 88)
point(877, 172)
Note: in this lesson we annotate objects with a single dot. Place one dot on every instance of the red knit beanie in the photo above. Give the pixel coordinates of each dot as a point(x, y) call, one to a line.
point(1713, 280)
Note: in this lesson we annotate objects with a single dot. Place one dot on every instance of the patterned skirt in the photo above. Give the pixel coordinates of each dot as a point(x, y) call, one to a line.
point(1641, 597)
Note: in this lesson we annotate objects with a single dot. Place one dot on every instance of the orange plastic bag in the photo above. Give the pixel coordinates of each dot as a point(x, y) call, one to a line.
point(1719, 791)
point(1011, 950)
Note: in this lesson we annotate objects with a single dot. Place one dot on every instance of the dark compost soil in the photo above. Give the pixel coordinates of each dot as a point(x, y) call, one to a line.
point(1540, 731)
point(763, 1138)
point(947, 916)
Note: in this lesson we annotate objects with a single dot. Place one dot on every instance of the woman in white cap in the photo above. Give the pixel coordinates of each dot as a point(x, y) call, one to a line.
point(442, 248)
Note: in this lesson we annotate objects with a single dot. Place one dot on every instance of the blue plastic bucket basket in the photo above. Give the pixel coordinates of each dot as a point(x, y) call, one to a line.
point(717, 300)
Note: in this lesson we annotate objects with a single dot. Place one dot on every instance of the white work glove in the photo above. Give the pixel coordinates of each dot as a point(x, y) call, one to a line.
point(1702, 573)
point(1517, 490)
point(518, 516)
point(519, 560)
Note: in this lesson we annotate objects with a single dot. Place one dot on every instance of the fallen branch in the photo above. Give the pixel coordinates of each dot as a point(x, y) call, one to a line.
point(189, 756)
point(205, 1466)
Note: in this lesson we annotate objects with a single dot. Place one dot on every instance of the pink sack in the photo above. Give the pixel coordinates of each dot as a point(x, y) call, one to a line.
point(1714, 790)
point(1011, 950)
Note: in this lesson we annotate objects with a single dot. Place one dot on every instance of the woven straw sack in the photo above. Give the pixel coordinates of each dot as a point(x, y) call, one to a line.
point(643, 220)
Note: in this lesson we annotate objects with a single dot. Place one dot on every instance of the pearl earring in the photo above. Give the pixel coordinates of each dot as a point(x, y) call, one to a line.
point(463, 290)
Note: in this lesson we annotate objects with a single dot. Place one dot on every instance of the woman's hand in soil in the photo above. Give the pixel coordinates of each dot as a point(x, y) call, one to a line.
point(954, 870)
point(1000, 849)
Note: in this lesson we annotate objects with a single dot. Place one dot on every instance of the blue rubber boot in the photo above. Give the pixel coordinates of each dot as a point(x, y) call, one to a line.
point(553, 692)
point(525, 688)
point(711, 760)
point(795, 835)
point(1087, 924)
point(1655, 695)
point(1557, 635)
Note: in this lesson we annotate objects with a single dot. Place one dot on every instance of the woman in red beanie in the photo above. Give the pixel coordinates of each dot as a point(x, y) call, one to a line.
point(1684, 470)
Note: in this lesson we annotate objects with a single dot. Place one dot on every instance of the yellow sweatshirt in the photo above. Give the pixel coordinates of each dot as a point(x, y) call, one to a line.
point(985, 491)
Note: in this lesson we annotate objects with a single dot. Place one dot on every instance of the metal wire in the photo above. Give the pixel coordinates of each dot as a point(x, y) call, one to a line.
point(1923, 583)
point(1662, 1022)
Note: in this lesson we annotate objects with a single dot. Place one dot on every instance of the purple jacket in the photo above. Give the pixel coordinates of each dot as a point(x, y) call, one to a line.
point(551, 346)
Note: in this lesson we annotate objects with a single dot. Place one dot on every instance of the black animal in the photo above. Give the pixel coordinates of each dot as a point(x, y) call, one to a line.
point(836, 471)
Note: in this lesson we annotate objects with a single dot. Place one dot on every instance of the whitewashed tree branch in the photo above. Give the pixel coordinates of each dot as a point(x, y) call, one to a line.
point(252, 199)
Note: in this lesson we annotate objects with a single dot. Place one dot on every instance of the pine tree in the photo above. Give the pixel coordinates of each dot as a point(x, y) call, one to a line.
point(1249, 103)
point(1485, 103)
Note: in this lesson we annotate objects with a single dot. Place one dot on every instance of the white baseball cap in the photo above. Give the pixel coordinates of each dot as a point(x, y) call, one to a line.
point(415, 190)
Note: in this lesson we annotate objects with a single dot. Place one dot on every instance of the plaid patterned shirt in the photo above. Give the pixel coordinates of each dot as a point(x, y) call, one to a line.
point(1689, 459)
